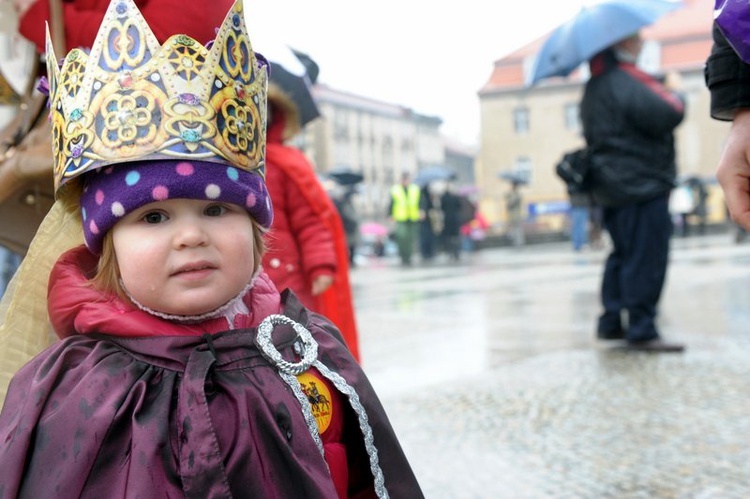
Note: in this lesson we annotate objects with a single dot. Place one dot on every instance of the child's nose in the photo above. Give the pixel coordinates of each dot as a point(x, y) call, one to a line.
point(190, 234)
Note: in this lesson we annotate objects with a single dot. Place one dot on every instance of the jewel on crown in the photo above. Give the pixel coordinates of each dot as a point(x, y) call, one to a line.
point(132, 99)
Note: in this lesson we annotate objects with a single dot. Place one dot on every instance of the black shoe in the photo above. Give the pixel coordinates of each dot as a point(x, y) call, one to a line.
point(656, 345)
point(616, 334)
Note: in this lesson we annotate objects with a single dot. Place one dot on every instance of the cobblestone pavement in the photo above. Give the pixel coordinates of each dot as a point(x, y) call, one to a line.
point(497, 389)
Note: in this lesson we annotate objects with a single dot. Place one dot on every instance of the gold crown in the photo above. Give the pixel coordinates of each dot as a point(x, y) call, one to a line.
point(131, 99)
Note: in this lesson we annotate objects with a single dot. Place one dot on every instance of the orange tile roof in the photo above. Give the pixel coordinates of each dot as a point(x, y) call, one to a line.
point(694, 18)
point(684, 34)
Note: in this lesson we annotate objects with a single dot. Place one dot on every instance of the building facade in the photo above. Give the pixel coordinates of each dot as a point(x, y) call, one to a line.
point(374, 138)
point(527, 129)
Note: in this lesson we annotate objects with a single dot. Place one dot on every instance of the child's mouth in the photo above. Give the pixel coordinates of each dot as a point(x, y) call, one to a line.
point(194, 269)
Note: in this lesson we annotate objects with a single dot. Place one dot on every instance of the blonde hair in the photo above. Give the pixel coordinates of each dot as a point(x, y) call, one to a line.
point(107, 277)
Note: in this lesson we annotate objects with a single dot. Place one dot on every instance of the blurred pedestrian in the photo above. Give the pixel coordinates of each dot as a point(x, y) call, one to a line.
point(514, 209)
point(579, 219)
point(450, 205)
point(700, 193)
point(628, 121)
point(404, 211)
point(727, 75)
point(428, 218)
point(342, 199)
point(307, 249)
point(596, 225)
point(9, 262)
point(474, 231)
point(681, 205)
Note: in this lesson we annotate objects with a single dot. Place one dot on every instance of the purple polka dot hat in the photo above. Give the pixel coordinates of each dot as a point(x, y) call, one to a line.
point(112, 192)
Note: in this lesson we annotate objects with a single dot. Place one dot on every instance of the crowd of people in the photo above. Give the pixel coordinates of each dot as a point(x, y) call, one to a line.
point(433, 218)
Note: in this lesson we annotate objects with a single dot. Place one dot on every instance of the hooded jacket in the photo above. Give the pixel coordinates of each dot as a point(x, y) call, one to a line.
point(628, 121)
point(307, 238)
point(130, 405)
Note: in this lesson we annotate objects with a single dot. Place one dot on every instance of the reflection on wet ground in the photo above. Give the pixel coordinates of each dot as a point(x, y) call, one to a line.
point(497, 388)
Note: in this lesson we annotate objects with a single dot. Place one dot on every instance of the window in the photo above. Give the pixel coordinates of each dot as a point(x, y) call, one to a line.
point(572, 117)
point(386, 152)
point(340, 125)
point(523, 168)
point(521, 120)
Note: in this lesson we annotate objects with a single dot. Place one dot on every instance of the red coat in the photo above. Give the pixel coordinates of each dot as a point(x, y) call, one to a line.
point(82, 18)
point(307, 238)
point(299, 245)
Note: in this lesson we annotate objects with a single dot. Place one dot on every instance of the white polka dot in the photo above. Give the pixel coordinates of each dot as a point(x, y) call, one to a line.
point(118, 209)
point(213, 191)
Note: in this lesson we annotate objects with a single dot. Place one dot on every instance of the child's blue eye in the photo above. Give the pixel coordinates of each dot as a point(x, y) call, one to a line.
point(215, 210)
point(154, 217)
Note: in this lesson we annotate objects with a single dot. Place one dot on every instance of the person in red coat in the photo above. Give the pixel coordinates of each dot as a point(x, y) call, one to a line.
point(81, 18)
point(306, 246)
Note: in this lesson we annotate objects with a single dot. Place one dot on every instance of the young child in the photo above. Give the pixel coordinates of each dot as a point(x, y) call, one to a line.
point(181, 371)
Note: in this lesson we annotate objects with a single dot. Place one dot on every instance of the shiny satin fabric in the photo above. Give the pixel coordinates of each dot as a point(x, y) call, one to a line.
point(98, 416)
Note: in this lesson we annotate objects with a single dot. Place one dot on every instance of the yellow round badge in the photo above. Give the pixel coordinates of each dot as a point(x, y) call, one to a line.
point(319, 396)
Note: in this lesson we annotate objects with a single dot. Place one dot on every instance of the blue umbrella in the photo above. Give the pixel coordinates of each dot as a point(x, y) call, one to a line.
point(593, 29)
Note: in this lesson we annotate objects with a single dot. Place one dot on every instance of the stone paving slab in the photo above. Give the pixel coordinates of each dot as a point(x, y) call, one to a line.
point(586, 424)
point(497, 389)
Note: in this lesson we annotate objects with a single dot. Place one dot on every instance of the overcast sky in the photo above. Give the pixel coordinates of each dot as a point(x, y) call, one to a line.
point(430, 56)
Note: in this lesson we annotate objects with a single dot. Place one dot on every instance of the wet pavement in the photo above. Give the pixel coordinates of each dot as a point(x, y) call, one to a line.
point(495, 384)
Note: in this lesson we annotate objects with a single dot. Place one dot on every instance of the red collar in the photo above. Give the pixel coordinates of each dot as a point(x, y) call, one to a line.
point(75, 307)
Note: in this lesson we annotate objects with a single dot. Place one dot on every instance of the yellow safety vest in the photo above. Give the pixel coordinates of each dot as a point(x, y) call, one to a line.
point(405, 203)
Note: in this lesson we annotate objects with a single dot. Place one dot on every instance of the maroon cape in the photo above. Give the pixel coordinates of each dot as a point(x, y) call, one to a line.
point(86, 418)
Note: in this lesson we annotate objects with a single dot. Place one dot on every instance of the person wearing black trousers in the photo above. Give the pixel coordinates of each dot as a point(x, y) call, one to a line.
point(628, 120)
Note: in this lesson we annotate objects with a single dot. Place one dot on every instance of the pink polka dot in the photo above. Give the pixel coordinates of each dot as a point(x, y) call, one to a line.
point(99, 197)
point(185, 169)
point(251, 200)
point(93, 228)
point(160, 193)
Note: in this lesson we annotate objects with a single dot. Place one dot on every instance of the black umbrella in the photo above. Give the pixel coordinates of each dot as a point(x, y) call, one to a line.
point(345, 176)
point(310, 65)
point(294, 72)
point(297, 85)
point(515, 178)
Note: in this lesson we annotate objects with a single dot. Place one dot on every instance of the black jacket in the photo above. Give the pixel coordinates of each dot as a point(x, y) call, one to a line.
point(727, 78)
point(628, 122)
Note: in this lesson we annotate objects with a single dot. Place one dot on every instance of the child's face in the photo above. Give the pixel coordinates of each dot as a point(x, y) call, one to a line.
point(185, 256)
